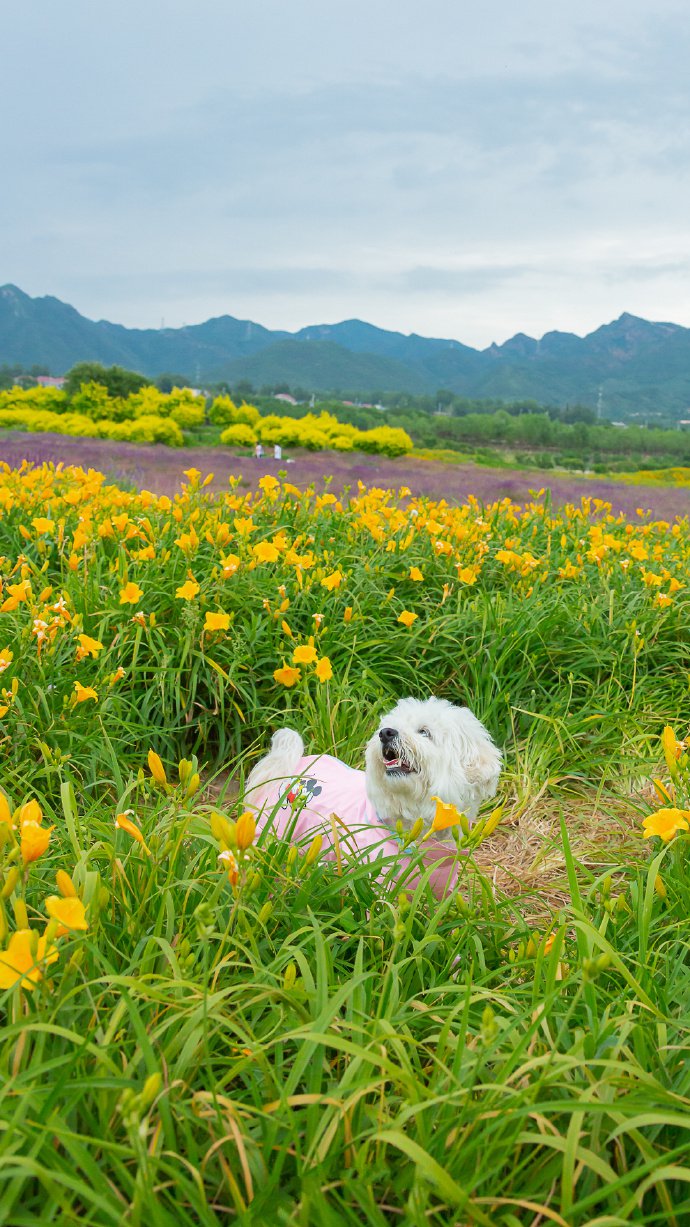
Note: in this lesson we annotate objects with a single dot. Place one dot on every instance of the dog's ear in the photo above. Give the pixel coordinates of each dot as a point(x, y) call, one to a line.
point(484, 766)
point(481, 760)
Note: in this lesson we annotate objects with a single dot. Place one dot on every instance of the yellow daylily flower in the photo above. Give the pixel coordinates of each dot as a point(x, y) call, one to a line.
point(446, 816)
point(124, 823)
point(24, 959)
point(69, 912)
point(217, 622)
point(30, 812)
point(82, 693)
point(131, 594)
point(187, 591)
point(287, 676)
point(18, 593)
point(34, 841)
point(332, 581)
point(90, 646)
point(666, 823)
point(264, 551)
point(323, 670)
point(268, 483)
point(305, 654)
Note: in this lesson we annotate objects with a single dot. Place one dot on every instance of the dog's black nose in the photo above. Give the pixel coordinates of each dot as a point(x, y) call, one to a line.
point(387, 735)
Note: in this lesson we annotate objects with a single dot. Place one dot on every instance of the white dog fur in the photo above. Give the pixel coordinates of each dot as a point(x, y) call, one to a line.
point(423, 749)
point(451, 755)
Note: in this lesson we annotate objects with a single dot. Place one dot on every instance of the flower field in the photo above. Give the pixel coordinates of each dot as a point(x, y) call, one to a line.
point(203, 1024)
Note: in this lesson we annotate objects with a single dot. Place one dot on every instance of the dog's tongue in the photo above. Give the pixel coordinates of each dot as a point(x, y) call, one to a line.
point(396, 765)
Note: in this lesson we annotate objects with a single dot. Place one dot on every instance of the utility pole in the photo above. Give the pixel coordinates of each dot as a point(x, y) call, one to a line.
point(600, 400)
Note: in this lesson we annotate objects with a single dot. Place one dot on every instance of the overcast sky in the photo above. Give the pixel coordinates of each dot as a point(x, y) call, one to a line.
point(441, 167)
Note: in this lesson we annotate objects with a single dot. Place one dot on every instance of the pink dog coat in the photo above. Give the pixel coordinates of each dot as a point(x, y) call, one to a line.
point(301, 807)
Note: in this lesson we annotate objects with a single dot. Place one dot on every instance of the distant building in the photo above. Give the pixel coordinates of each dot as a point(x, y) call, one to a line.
point(50, 381)
point(289, 400)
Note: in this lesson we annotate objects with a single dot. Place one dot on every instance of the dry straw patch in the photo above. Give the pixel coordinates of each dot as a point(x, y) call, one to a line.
point(525, 854)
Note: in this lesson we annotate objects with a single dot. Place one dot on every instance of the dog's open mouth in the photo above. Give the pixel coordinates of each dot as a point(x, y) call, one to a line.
point(396, 764)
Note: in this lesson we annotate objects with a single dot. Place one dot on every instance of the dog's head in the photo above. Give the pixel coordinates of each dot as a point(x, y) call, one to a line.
point(430, 748)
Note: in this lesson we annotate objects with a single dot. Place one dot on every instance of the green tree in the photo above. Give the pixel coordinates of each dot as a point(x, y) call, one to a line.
point(242, 390)
point(118, 380)
point(166, 383)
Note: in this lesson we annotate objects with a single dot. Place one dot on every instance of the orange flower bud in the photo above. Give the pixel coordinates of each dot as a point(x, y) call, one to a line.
point(245, 830)
point(125, 824)
point(156, 768)
point(65, 884)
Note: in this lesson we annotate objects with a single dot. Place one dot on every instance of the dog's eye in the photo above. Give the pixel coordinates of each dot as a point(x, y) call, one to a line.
point(424, 732)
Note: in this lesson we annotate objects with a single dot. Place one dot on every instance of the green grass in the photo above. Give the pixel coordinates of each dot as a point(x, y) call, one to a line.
point(315, 1048)
point(328, 1052)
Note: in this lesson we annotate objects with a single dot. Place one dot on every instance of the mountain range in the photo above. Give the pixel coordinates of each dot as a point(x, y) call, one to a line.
point(629, 367)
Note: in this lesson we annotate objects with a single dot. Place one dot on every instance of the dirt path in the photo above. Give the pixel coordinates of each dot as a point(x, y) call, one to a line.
point(160, 469)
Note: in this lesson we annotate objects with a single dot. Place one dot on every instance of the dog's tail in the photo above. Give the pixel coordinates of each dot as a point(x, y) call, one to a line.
point(287, 748)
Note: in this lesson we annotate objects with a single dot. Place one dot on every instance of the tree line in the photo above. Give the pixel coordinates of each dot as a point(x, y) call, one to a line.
point(551, 434)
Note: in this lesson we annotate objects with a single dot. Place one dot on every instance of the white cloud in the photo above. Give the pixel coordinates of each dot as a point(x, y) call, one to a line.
point(458, 171)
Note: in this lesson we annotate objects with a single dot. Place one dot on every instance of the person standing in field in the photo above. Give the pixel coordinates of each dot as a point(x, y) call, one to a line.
point(259, 452)
point(277, 451)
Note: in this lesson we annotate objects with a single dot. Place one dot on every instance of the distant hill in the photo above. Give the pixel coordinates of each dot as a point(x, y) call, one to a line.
point(637, 367)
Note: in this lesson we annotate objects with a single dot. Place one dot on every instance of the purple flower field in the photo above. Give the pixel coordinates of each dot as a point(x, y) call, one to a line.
point(157, 468)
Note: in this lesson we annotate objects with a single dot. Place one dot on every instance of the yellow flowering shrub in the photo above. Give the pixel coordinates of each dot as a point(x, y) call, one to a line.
point(137, 418)
point(390, 440)
point(224, 411)
point(52, 399)
point(43, 420)
point(94, 401)
point(323, 430)
point(239, 435)
point(147, 429)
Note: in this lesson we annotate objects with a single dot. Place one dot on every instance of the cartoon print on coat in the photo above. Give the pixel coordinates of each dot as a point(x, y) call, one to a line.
point(304, 790)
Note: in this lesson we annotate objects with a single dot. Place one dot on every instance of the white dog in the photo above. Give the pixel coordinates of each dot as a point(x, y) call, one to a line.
point(424, 749)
